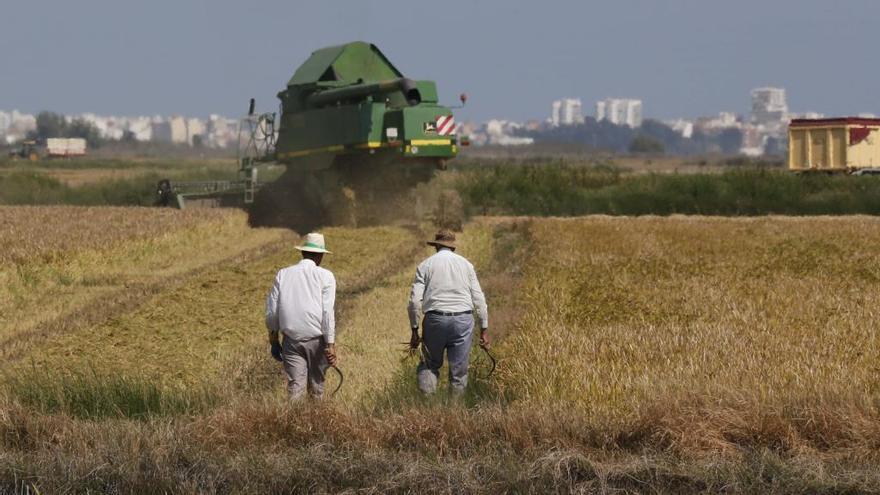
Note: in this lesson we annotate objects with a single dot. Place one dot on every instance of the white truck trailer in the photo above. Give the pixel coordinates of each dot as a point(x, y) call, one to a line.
point(65, 147)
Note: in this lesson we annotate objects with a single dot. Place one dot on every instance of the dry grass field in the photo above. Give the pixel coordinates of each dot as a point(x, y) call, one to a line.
point(95, 169)
point(60, 266)
point(709, 335)
point(640, 355)
point(211, 322)
point(774, 311)
point(81, 177)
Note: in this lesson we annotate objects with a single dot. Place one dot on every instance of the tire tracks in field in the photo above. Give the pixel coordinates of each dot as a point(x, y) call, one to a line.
point(501, 271)
point(503, 276)
point(252, 370)
point(381, 273)
point(128, 299)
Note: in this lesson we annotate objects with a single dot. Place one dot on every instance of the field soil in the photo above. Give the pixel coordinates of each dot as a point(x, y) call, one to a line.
point(675, 354)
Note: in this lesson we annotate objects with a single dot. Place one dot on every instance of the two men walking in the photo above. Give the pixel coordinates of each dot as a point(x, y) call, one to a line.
point(300, 308)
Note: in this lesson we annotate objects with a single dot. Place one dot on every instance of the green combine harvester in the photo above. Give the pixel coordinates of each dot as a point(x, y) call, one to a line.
point(355, 136)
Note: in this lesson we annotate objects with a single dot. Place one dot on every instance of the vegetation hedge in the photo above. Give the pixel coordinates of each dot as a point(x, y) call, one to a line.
point(539, 188)
point(571, 190)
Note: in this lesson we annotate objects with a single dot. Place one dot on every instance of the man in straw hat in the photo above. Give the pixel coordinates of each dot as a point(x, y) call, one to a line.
point(446, 289)
point(300, 307)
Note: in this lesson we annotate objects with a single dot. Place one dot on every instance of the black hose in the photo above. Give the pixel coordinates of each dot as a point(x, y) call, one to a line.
point(491, 359)
point(424, 356)
point(341, 379)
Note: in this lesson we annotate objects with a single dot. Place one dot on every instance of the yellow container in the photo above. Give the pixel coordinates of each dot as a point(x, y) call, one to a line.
point(842, 144)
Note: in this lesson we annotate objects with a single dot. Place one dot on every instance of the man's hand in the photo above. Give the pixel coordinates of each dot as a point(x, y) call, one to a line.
point(276, 351)
point(330, 353)
point(484, 337)
point(414, 341)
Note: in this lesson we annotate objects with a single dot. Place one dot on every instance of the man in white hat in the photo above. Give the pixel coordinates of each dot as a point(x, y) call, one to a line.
point(446, 289)
point(300, 307)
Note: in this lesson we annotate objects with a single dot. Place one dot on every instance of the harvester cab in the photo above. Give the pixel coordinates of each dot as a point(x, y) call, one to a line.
point(355, 136)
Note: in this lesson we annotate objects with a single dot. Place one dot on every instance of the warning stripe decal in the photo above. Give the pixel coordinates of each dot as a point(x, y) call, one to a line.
point(445, 125)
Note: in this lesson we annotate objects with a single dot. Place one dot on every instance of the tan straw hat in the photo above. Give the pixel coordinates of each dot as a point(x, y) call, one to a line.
point(443, 238)
point(314, 243)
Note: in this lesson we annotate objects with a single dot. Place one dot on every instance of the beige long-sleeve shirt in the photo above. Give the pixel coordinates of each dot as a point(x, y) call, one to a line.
point(447, 282)
point(301, 303)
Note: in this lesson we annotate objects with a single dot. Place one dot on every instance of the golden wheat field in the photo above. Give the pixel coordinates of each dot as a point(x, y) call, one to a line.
point(636, 355)
point(772, 310)
point(64, 266)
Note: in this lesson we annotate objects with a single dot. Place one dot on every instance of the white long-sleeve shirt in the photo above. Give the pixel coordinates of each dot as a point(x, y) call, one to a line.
point(447, 282)
point(300, 303)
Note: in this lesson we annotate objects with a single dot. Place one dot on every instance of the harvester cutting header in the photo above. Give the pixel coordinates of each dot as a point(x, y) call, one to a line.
point(354, 134)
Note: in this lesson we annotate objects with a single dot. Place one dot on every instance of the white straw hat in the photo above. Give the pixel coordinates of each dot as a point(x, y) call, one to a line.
point(313, 243)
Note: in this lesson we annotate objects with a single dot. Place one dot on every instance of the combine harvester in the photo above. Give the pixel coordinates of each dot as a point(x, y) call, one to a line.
point(354, 134)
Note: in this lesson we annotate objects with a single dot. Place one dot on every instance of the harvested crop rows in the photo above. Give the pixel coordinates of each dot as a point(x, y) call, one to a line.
point(214, 320)
point(685, 354)
point(48, 233)
point(67, 264)
point(210, 327)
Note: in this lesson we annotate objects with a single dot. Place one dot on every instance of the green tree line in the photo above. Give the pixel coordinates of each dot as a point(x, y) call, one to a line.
point(54, 125)
point(652, 137)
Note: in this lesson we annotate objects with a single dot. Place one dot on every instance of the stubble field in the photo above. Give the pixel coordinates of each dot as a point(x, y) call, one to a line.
point(677, 354)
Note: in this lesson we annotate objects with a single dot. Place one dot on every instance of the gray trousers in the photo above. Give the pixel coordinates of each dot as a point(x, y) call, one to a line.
point(304, 365)
point(451, 334)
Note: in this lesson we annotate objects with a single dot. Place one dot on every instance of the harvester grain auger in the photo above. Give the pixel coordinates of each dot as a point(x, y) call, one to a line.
point(355, 136)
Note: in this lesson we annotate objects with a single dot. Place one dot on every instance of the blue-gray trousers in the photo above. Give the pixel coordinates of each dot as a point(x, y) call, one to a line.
point(304, 364)
point(450, 334)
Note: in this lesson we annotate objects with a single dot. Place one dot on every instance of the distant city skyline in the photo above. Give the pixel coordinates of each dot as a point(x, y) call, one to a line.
point(683, 58)
point(762, 131)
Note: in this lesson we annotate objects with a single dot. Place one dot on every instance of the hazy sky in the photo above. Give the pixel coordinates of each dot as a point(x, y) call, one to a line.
point(682, 57)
